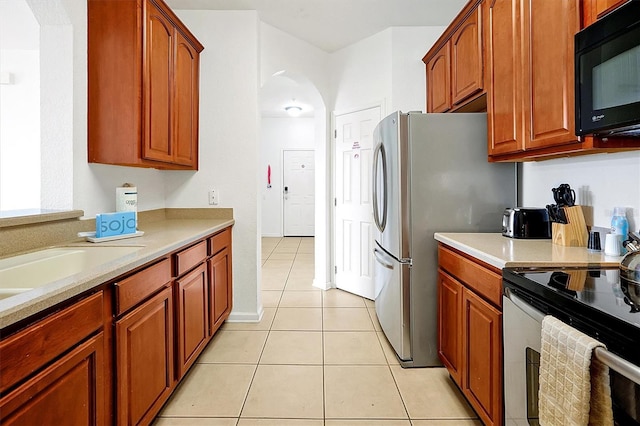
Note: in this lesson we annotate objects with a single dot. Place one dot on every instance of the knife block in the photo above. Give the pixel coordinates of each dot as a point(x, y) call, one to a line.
point(572, 234)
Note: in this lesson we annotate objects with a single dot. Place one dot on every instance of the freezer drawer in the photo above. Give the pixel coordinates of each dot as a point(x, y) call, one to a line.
point(392, 301)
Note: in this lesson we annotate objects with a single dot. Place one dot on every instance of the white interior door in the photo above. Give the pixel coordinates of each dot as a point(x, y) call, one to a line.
point(353, 208)
point(299, 193)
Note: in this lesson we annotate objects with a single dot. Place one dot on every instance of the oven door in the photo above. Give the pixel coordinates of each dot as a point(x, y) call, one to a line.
point(522, 330)
point(522, 341)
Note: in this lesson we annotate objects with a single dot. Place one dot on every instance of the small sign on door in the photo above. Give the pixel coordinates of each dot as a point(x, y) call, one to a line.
point(356, 150)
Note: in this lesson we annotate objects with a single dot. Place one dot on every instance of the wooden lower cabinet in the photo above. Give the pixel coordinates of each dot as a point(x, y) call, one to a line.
point(449, 316)
point(192, 317)
point(70, 391)
point(144, 359)
point(470, 331)
point(482, 357)
point(115, 355)
point(55, 371)
point(220, 292)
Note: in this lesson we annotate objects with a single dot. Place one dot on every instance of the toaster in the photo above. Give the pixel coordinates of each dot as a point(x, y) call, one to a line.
point(526, 222)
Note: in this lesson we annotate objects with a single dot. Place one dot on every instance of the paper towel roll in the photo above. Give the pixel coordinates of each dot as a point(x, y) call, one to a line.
point(127, 200)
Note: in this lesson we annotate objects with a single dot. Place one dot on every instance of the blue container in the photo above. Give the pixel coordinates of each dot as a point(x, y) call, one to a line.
point(110, 224)
point(620, 225)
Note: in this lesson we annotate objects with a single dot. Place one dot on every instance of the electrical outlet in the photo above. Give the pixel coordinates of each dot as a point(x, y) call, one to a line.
point(213, 197)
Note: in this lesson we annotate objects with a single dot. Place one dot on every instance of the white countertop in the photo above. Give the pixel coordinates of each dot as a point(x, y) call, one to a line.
point(503, 252)
point(160, 238)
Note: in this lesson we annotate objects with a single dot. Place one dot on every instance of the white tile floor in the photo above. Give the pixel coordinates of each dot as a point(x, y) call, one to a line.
point(315, 358)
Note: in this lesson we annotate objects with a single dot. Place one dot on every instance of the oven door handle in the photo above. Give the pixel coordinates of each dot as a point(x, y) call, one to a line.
point(524, 306)
point(611, 360)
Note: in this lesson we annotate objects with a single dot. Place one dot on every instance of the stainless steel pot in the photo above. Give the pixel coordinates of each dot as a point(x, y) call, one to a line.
point(630, 264)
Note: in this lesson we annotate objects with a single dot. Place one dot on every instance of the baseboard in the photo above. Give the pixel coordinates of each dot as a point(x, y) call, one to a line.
point(246, 316)
point(322, 285)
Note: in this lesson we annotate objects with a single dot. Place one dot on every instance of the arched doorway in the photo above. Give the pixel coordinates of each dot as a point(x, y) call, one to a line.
point(304, 134)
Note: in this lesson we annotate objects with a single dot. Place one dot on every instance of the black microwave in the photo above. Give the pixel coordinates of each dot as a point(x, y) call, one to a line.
point(607, 74)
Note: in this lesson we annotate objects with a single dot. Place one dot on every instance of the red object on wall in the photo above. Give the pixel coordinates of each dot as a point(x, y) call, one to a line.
point(269, 175)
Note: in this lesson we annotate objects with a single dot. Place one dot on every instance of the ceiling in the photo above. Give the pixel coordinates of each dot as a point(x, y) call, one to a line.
point(333, 24)
point(329, 25)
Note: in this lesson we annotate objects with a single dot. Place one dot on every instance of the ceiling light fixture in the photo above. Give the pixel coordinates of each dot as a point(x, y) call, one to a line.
point(293, 110)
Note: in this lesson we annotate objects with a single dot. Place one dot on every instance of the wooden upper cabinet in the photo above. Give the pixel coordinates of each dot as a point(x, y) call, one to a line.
point(467, 58)
point(454, 65)
point(159, 41)
point(592, 10)
point(504, 116)
point(185, 102)
point(605, 6)
point(143, 86)
point(439, 81)
point(549, 103)
point(530, 57)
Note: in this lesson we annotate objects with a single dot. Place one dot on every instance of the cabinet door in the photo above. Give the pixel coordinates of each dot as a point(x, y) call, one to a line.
point(144, 359)
point(185, 103)
point(482, 344)
point(71, 391)
point(466, 58)
point(548, 32)
point(439, 81)
point(220, 288)
point(605, 6)
point(449, 324)
point(504, 110)
point(157, 85)
point(192, 313)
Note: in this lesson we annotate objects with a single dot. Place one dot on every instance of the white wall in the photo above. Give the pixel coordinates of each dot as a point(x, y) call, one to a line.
point(385, 68)
point(408, 47)
point(229, 141)
point(602, 181)
point(72, 181)
point(280, 51)
point(20, 130)
point(277, 135)
point(361, 74)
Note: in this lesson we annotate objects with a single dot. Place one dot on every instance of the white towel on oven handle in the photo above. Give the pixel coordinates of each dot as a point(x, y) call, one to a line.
point(574, 385)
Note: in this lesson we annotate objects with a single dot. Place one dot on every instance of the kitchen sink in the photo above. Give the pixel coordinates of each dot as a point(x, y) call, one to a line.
point(28, 271)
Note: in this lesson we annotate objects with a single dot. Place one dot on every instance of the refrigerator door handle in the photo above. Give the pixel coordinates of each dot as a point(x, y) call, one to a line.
point(380, 153)
point(377, 253)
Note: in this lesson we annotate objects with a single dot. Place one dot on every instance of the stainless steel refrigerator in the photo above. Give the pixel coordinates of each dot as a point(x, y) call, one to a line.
point(430, 174)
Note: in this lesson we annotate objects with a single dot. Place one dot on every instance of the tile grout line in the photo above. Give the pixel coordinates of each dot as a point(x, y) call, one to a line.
point(255, 371)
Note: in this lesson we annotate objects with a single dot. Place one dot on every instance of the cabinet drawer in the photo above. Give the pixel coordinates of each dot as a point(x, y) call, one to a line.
point(137, 287)
point(484, 281)
point(219, 241)
point(191, 257)
point(31, 349)
point(71, 388)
